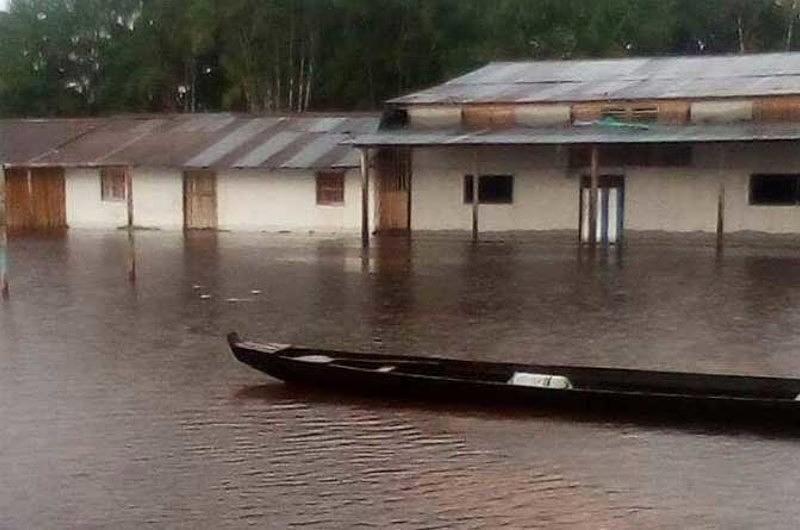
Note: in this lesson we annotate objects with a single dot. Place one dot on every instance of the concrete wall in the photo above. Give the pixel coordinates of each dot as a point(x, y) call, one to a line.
point(246, 200)
point(286, 200)
point(158, 198)
point(545, 196)
point(546, 191)
point(84, 206)
point(673, 200)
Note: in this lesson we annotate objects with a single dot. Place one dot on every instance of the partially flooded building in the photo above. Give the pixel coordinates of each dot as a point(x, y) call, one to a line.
point(193, 171)
point(601, 147)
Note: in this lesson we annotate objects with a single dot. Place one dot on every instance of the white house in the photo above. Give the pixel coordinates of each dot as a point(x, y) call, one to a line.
point(597, 149)
point(604, 147)
point(201, 171)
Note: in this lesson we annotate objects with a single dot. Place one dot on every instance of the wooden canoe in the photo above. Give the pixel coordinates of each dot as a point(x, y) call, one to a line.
point(524, 384)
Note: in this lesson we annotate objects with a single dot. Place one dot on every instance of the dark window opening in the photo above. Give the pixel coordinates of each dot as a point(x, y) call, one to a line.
point(492, 189)
point(112, 184)
point(330, 188)
point(775, 190)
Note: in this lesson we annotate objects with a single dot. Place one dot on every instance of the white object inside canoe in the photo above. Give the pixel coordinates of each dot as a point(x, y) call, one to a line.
point(797, 397)
point(540, 380)
point(319, 359)
point(385, 369)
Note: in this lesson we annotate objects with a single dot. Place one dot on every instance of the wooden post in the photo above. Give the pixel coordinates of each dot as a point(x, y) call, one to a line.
point(721, 199)
point(4, 291)
point(594, 184)
point(365, 197)
point(131, 242)
point(475, 194)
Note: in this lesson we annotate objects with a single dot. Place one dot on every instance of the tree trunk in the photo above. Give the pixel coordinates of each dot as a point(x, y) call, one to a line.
point(308, 83)
point(740, 30)
point(300, 83)
point(291, 67)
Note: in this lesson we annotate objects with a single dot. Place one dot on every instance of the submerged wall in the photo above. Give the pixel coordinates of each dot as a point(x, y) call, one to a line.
point(546, 191)
point(545, 197)
point(84, 205)
point(285, 200)
point(158, 198)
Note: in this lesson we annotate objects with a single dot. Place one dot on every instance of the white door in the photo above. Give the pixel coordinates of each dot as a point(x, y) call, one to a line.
point(610, 205)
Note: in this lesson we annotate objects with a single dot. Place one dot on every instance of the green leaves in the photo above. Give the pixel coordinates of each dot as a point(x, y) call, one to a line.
point(60, 57)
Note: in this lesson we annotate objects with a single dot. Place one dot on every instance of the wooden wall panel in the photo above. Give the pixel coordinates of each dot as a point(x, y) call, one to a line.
point(785, 108)
point(38, 203)
point(200, 199)
point(394, 190)
point(18, 200)
point(669, 111)
point(488, 116)
point(49, 198)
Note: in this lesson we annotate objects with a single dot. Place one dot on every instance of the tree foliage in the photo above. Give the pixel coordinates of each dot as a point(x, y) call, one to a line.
point(75, 57)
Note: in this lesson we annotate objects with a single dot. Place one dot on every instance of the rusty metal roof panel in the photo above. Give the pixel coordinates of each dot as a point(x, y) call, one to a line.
point(589, 134)
point(101, 144)
point(22, 140)
point(629, 78)
point(207, 140)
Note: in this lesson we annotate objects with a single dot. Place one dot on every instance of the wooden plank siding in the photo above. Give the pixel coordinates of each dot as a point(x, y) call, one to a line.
point(488, 116)
point(36, 203)
point(665, 111)
point(786, 108)
point(670, 112)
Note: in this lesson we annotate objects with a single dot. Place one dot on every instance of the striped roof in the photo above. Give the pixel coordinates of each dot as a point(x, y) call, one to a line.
point(707, 76)
point(215, 141)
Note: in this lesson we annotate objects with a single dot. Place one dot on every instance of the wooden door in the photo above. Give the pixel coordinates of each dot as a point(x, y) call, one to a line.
point(200, 199)
point(394, 190)
point(36, 199)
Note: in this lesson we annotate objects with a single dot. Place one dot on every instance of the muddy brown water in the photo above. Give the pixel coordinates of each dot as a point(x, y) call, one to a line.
point(121, 406)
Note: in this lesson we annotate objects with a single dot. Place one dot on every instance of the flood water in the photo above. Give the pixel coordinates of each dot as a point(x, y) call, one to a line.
point(121, 406)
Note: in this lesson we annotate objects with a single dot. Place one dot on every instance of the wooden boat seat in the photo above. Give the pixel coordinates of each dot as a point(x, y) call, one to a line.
point(317, 359)
point(540, 380)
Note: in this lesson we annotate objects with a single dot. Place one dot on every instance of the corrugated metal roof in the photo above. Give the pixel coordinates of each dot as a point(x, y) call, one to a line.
point(23, 140)
point(615, 79)
point(588, 134)
point(215, 141)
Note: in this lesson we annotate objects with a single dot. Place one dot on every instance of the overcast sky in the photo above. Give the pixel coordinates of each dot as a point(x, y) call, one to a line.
point(3, 4)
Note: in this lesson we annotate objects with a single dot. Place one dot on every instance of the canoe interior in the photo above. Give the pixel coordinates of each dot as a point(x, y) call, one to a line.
point(610, 380)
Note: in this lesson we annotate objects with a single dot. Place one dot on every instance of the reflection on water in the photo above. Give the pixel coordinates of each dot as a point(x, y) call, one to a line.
point(121, 406)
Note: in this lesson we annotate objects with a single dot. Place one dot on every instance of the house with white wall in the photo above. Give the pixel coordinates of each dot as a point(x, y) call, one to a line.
point(199, 171)
point(597, 149)
point(602, 148)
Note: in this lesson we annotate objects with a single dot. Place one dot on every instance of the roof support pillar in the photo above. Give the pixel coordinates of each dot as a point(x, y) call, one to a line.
point(131, 242)
point(594, 177)
point(4, 291)
point(365, 197)
point(721, 199)
point(475, 193)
